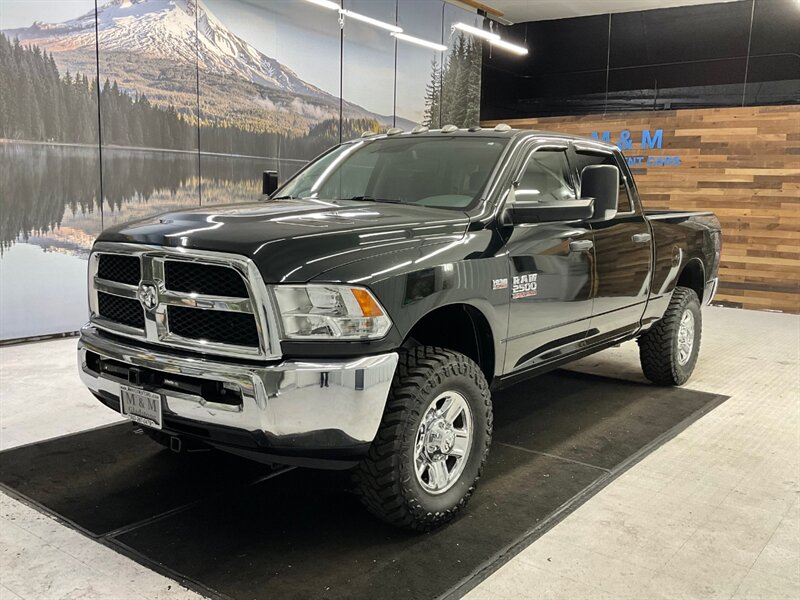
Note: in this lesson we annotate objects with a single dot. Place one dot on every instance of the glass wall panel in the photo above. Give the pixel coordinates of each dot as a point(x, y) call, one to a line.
point(461, 72)
point(773, 72)
point(148, 107)
point(563, 73)
point(368, 77)
point(679, 57)
point(49, 167)
point(418, 67)
point(269, 92)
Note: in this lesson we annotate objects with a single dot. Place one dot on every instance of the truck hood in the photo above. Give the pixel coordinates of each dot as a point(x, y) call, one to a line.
point(297, 240)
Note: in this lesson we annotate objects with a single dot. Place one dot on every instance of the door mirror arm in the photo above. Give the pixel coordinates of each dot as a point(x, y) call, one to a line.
point(534, 212)
point(521, 212)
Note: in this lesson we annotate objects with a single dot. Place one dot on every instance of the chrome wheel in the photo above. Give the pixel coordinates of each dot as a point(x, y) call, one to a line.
point(685, 337)
point(443, 442)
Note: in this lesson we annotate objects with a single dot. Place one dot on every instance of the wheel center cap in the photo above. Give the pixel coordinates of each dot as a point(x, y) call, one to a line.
point(448, 439)
point(440, 437)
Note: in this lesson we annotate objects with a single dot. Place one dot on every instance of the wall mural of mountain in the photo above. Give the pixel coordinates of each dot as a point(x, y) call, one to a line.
point(153, 50)
point(192, 100)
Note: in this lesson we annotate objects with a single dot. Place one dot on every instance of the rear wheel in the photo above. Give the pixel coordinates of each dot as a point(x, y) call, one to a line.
point(432, 443)
point(668, 350)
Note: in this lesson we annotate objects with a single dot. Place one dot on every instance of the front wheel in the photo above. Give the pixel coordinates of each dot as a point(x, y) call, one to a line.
point(432, 443)
point(668, 350)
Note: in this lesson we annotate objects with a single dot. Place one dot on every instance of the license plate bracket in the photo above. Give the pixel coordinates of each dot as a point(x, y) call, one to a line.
point(141, 406)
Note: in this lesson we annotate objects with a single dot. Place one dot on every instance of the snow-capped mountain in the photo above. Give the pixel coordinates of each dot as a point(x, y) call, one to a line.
point(167, 29)
point(154, 47)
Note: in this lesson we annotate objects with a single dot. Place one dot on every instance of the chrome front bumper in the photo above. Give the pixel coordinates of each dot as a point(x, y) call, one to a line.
point(293, 404)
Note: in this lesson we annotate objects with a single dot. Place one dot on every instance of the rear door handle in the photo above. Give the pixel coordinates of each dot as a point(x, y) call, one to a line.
point(581, 245)
point(641, 238)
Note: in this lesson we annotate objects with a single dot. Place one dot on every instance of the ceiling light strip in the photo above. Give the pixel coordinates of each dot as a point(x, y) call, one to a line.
point(487, 35)
point(419, 41)
point(493, 38)
point(326, 4)
point(329, 4)
point(370, 20)
point(521, 50)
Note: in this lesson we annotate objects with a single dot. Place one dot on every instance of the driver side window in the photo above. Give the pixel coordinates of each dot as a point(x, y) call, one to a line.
point(546, 178)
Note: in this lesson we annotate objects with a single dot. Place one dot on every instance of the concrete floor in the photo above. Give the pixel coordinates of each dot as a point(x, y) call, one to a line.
point(714, 513)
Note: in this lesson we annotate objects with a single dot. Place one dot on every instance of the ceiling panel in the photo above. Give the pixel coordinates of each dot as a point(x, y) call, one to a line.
point(540, 10)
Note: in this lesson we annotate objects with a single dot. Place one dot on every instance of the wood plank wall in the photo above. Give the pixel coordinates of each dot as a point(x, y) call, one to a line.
point(741, 163)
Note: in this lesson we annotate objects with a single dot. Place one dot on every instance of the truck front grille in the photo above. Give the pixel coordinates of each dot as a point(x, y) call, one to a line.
point(196, 278)
point(215, 326)
point(120, 268)
point(204, 301)
point(120, 310)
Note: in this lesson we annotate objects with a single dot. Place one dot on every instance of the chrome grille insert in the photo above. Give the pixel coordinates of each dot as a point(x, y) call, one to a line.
point(210, 302)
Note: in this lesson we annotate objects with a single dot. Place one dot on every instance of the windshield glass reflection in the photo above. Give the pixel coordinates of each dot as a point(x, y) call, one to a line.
point(444, 172)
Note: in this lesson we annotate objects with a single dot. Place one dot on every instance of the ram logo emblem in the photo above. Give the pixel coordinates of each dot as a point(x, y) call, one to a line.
point(148, 295)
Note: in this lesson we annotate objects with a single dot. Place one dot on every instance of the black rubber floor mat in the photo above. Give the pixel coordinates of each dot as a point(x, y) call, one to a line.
point(231, 531)
point(108, 478)
point(590, 419)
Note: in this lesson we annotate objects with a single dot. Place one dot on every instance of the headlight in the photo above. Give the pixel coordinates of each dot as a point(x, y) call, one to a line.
point(321, 311)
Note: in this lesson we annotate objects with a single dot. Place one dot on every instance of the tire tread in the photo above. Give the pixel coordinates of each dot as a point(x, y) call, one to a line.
point(656, 346)
point(376, 479)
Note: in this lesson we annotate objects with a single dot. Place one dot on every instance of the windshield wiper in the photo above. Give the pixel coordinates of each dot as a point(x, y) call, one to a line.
point(289, 197)
point(373, 199)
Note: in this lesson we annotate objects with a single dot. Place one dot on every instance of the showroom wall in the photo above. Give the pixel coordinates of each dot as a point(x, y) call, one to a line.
point(115, 110)
point(704, 101)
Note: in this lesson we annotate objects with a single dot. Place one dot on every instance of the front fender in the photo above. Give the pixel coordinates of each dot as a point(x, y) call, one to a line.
point(412, 282)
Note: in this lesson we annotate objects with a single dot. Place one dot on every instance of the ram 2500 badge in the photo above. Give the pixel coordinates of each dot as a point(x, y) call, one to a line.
point(360, 316)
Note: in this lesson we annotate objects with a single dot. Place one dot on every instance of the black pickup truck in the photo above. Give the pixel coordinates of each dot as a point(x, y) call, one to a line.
point(360, 316)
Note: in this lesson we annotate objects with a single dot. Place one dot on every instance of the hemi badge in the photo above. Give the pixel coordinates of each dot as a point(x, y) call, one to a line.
point(500, 284)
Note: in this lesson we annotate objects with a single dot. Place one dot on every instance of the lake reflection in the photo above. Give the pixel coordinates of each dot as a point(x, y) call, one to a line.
point(49, 199)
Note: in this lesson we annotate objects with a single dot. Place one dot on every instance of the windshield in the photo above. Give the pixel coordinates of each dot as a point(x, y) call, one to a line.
point(446, 172)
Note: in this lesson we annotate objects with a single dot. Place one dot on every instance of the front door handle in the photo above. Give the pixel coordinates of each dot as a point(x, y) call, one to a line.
point(641, 238)
point(581, 245)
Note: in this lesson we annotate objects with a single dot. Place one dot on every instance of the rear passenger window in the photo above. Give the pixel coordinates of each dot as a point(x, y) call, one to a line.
point(584, 159)
point(546, 178)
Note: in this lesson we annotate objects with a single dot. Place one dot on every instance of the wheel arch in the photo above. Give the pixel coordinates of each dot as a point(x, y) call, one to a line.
point(693, 276)
point(461, 327)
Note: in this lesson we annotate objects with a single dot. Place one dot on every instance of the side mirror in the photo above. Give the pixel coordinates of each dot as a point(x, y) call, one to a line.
point(601, 182)
point(520, 212)
point(270, 183)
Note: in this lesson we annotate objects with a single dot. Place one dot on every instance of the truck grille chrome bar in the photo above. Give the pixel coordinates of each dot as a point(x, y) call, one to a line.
point(204, 301)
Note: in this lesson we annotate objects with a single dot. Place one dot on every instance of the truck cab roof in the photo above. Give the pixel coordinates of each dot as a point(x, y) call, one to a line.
point(498, 131)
